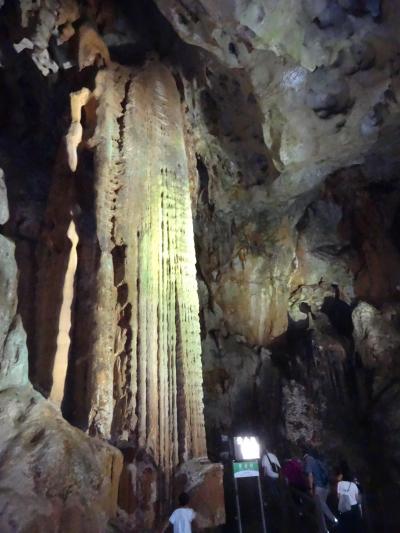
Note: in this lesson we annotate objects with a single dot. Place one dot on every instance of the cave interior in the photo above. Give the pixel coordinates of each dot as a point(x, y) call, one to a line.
point(199, 237)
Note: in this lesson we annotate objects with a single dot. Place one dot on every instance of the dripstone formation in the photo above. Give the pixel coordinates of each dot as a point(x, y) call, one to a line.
point(200, 205)
point(116, 330)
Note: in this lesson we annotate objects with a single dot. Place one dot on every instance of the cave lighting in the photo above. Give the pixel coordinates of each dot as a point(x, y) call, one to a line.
point(246, 448)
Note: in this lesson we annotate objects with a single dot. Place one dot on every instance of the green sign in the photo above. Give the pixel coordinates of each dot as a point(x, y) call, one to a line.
point(246, 469)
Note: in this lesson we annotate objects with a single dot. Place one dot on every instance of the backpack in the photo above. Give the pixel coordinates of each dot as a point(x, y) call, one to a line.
point(344, 501)
point(274, 467)
point(293, 472)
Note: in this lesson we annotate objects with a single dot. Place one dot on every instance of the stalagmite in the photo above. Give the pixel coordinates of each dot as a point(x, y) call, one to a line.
point(168, 301)
point(53, 258)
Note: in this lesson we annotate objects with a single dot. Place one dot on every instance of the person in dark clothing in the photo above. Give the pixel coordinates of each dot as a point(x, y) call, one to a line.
point(293, 472)
point(318, 487)
point(300, 504)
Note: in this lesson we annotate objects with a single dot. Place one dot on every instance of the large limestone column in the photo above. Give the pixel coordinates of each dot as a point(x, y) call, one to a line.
point(146, 376)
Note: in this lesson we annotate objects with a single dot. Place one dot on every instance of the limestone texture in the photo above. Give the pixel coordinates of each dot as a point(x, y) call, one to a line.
point(14, 356)
point(203, 482)
point(231, 171)
point(53, 477)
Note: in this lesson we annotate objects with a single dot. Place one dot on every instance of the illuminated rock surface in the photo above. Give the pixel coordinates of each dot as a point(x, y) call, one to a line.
point(270, 131)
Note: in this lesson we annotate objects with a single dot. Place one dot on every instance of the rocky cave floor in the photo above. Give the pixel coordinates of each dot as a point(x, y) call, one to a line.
point(291, 123)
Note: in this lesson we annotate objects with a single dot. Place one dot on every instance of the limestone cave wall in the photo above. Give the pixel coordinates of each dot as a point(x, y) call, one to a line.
point(202, 199)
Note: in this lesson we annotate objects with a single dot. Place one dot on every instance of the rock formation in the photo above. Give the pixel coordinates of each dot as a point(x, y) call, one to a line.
point(51, 473)
point(243, 153)
point(146, 269)
point(124, 364)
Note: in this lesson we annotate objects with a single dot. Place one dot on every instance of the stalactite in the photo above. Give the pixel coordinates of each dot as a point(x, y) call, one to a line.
point(74, 136)
point(107, 165)
point(145, 378)
point(125, 361)
point(156, 169)
point(92, 48)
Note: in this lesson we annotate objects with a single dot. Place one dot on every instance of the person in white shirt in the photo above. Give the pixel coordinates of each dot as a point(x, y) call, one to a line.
point(271, 468)
point(350, 489)
point(350, 520)
point(270, 465)
point(182, 518)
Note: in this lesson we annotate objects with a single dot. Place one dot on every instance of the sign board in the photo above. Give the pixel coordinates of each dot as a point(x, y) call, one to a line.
point(246, 469)
point(243, 469)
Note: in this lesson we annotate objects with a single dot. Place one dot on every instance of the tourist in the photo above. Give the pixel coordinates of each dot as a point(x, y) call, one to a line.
point(350, 520)
point(182, 519)
point(318, 486)
point(293, 472)
point(270, 467)
point(300, 505)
